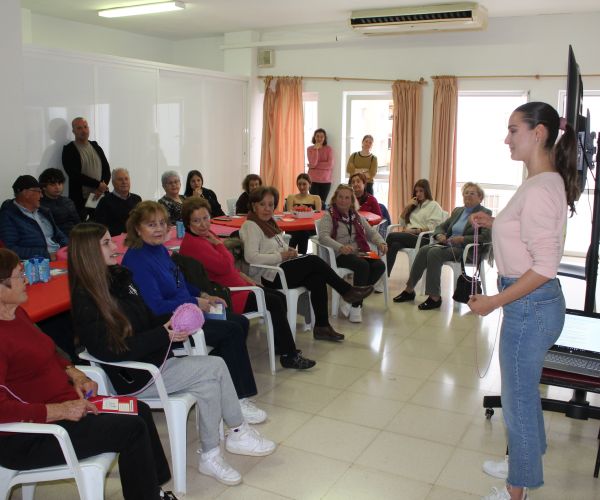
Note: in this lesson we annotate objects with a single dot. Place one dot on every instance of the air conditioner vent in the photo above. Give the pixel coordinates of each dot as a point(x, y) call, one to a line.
point(442, 17)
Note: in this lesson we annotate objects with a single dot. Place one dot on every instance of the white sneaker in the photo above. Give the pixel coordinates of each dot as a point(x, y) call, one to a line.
point(213, 464)
point(251, 413)
point(244, 440)
point(496, 468)
point(379, 286)
point(355, 315)
point(344, 308)
point(502, 494)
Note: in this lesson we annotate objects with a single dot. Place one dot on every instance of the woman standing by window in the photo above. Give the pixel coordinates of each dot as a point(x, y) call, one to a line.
point(320, 164)
point(528, 238)
point(364, 162)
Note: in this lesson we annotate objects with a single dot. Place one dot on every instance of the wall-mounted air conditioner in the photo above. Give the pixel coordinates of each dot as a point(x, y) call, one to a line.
point(421, 18)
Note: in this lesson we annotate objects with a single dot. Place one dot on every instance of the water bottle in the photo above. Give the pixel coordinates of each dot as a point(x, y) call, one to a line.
point(43, 267)
point(180, 230)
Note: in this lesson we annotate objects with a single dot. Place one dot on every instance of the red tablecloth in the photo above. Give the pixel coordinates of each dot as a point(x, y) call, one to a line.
point(289, 222)
point(49, 299)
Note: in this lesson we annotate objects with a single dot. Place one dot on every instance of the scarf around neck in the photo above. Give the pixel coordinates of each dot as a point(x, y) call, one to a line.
point(269, 228)
point(351, 220)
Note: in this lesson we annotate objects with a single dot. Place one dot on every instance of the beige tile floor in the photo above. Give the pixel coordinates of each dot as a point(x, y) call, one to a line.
point(393, 412)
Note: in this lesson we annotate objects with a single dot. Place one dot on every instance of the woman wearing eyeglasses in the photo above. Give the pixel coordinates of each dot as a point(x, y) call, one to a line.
point(164, 288)
point(39, 385)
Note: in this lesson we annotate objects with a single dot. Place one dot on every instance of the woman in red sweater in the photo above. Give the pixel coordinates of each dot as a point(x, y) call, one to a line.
point(368, 202)
point(203, 245)
point(38, 385)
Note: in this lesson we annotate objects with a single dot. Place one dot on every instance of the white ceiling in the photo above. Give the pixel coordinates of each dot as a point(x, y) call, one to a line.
point(215, 17)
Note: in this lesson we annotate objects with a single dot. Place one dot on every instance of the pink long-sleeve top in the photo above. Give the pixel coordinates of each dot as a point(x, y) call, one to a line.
point(219, 264)
point(320, 163)
point(530, 232)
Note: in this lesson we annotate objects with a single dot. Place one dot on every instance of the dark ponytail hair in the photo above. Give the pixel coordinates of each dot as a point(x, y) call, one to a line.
point(565, 150)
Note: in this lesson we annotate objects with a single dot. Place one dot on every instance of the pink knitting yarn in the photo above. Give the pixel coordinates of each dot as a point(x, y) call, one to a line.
point(187, 318)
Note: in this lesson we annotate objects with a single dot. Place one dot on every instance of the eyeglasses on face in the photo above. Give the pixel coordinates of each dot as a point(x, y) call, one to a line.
point(20, 277)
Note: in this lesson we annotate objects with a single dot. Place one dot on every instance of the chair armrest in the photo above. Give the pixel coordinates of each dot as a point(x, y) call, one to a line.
point(390, 228)
point(420, 239)
point(61, 435)
point(278, 270)
point(134, 365)
point(98, 375)
point(329, 252)
point(258, 292)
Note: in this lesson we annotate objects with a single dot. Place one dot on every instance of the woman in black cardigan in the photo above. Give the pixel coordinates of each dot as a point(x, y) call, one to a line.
point(114, 324)
point(194, 187)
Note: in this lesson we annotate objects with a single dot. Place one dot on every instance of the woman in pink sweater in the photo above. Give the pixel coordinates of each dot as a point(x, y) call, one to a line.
point(203, 245)
point(320, 164)
point(528, 238)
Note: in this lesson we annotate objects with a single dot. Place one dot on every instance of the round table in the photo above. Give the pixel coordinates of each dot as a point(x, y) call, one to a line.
point(288, 223)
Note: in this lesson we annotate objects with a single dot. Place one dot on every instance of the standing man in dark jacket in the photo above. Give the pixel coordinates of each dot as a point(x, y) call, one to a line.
point(86, 165)
point(27, 228)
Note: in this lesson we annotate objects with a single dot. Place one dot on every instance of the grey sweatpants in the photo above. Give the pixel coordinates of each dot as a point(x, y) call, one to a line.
point(207, 379)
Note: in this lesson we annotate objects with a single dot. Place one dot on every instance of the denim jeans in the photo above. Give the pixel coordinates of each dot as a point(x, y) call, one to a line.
point(530, 327)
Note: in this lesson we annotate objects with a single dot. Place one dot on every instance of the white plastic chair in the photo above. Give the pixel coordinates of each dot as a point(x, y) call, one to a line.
point(328, 255)
point(175, 406)
point(231, 206)
point(264, 316)
point(292, 295)
point(89, 473)
point(384, 276)
point(411, 253)
point(457, 269)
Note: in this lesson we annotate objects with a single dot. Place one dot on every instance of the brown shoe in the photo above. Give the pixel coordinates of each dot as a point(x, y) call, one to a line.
point(327, 333)
point(357, 293)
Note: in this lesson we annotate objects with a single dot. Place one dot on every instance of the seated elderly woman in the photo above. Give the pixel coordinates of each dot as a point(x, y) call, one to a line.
point(115, 324)
point(264, 244)
point(201, 244)
point(451, 237)
point(421, 214)
point(39, 385)
point(172, 200)
point(366, 201)
point(250, 182)
point(349, 234)
point(194, 186)
point(164, 288)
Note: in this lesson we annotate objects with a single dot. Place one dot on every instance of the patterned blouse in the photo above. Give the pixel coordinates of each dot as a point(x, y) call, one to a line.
point(173, 207)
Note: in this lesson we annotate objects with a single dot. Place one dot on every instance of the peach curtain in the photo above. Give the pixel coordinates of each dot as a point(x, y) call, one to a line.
point(282, 151)
point(442, 171)
point(406, 144)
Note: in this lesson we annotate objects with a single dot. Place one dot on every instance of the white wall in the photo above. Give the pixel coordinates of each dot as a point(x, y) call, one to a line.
point(200, 53)
point(12, 140)
point(57, 33)
point(531, 45)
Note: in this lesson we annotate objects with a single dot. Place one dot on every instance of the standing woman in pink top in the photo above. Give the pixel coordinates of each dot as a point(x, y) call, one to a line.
point(320, 164)
point(528, 238)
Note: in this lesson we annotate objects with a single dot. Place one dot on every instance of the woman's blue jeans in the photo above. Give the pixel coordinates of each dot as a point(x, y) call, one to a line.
point(530, 327)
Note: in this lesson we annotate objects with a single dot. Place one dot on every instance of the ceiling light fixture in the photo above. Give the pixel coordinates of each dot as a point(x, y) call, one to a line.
point(138, 10)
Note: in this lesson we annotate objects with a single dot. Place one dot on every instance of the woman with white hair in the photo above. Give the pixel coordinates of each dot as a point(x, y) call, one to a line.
point(172, 200)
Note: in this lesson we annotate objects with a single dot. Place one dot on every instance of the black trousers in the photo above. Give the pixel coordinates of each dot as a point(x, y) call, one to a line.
point(142, 462)
point(398, 241)
point(228, 339)
point(277, 306)
point(322, 189)
point(315, 274)
point(366, 271)
point(300, 239)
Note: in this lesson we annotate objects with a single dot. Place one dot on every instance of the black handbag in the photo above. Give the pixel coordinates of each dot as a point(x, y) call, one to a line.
point(464, 285)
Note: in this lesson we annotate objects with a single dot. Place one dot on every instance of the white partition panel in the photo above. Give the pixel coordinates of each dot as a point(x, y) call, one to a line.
point(148, 117)
point(203, 127)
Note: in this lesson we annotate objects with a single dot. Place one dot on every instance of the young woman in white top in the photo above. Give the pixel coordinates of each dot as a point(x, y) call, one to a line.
point(422, 213)
point(528, 238)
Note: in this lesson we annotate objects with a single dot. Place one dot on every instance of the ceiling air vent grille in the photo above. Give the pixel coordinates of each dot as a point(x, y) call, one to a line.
point(441, 17)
